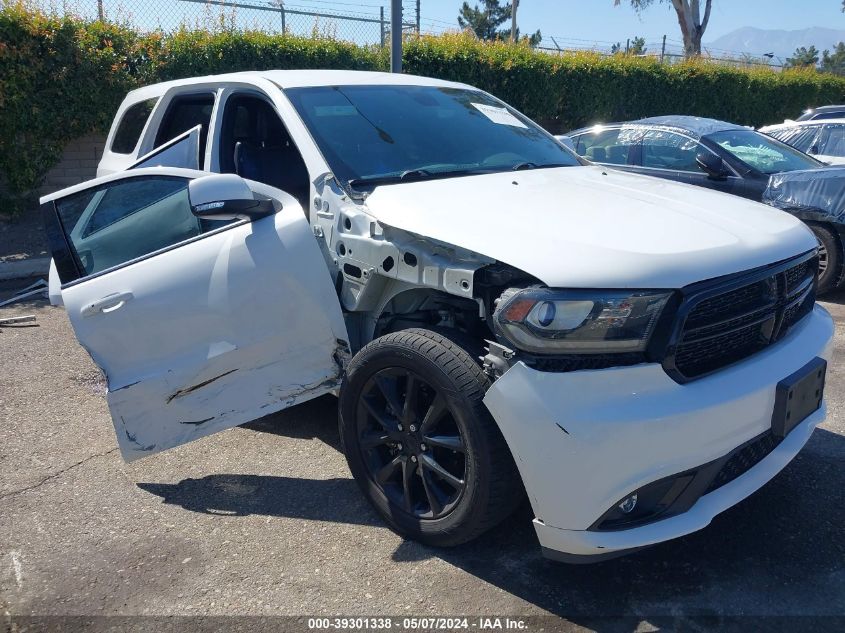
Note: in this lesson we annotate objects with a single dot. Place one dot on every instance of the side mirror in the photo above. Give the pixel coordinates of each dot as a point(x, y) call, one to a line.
point(712, 165)
point(226, 197)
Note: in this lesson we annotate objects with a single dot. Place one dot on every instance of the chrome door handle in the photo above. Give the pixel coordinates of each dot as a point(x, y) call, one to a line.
point(107, 304)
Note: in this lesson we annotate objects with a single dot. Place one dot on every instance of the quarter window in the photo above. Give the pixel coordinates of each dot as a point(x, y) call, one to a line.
point(131, 125)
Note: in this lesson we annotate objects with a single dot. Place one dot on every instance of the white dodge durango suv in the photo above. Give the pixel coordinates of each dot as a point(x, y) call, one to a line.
point(497, 317)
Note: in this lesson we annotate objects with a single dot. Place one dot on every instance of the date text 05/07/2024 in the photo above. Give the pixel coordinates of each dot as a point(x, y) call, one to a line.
point(480, 623)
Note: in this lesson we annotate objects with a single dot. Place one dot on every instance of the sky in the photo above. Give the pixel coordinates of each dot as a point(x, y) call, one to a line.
point(599, 21)
point(595, 24)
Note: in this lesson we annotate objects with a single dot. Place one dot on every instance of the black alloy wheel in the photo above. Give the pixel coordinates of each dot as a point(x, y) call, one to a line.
point(413, 449)
point(419, 440)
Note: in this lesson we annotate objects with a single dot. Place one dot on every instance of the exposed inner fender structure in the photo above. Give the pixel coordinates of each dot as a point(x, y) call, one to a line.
point(405, 305)
point(388, 279)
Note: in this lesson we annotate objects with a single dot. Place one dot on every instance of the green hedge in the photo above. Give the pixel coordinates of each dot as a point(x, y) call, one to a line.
point(193, 53)
point(568, 91)
point(61, 77)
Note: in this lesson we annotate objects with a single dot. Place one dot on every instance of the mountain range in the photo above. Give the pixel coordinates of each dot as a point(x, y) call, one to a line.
point(782, 43)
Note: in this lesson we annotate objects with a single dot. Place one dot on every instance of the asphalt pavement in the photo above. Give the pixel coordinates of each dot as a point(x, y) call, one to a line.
point(264, 519)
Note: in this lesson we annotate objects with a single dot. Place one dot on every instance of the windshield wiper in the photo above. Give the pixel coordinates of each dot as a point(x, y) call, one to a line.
point(529, 165)
point(409, 175)
point(414, 174)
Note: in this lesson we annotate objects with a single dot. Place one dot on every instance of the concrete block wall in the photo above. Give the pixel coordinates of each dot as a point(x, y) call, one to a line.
point(78, 164)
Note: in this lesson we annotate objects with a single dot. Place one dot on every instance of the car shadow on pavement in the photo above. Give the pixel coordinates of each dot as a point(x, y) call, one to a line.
point(314, 419)
point(779, 552)
point(337, 500)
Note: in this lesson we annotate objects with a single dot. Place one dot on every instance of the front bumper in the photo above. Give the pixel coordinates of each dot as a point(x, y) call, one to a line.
point(584, 440)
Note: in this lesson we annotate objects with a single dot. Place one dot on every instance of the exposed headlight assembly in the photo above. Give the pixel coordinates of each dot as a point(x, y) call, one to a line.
point(545, 321)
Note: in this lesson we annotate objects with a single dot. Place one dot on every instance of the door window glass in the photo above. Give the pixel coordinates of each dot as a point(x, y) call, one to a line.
point(607, 146)
point(667, 150)
point(126, 219)
point(184, 113)
point(832, 141)
point(131, 125)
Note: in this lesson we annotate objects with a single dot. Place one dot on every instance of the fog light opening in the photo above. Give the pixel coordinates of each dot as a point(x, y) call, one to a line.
point(628, 504)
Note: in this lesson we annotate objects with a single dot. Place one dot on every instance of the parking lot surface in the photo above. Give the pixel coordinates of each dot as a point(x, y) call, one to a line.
point(265, 520)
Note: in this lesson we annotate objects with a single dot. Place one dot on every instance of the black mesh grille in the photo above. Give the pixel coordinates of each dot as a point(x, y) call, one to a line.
point(701, 357)
point(736, 301)
point(796, 274)
point(796, 311)
point(744, 460)
point(727, 327)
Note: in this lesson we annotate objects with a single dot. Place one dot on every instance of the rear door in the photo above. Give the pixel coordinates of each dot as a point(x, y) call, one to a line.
point(198, 326)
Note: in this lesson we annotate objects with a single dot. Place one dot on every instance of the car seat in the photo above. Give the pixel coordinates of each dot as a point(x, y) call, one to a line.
point(596, 154)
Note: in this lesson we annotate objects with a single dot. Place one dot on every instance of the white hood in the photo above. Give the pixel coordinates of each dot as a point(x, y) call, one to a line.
point(587, 227)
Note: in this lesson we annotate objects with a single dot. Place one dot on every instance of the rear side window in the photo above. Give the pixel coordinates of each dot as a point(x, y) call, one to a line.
point(131, 125)
point(184, 113)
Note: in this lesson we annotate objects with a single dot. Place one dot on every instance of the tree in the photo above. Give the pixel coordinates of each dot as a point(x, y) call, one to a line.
point(803, 57)
point(486, 20)
point(689, 18)
point(533, 39)
point(834, 62)
point(636, 46)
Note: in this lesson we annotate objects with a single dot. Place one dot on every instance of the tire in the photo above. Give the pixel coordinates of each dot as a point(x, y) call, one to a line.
point(398, 460)
point(830, 257)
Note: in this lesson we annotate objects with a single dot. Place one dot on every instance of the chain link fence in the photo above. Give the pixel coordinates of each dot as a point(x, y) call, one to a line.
point(667, 51)
point(361, 23)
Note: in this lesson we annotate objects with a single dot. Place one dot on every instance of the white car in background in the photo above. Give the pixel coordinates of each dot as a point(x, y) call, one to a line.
point(496, 317)
point(824, 140)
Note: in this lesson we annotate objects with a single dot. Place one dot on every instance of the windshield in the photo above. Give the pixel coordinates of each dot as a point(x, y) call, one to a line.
point(374, 135)
point(762, 152)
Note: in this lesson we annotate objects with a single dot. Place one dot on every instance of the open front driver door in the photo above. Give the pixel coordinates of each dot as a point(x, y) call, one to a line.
point(198, 325)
